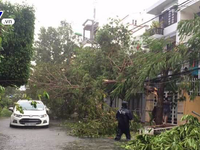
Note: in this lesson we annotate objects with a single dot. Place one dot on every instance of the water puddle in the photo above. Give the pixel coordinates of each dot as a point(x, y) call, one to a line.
point(94, 144)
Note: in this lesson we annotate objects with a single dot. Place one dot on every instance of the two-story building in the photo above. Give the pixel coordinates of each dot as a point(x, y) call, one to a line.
point(168, 13)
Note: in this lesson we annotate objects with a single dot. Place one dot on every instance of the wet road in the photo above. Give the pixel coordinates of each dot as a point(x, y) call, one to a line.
point(52, 138)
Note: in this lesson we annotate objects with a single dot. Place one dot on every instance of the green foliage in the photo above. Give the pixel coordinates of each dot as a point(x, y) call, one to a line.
point(135, 124)
point(34, 104)
point(43, 95)
point(183, 137)
point(5, 100)
point(19, 108)
point(155, 24)
point(189, 27)
point(74, 76)
point(151, 121)
point(157, 60)
point(16, 44)
point(5, 112)
point(113, 36)
point(105, 125)
point(189, 32)
point(2, 89)
point(55, 45)
point(46, 95)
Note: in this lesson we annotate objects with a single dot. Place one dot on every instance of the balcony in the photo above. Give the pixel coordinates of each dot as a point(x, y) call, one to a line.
point(159, 6)
point(156, 32)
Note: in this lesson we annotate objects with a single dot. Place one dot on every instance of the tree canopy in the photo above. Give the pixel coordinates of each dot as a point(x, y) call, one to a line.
point(55, 45)
point(77, 77)
point(17, 44)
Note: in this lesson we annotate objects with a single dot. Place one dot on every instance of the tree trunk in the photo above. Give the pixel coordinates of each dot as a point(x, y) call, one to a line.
point(111, 101)
point(159, 109)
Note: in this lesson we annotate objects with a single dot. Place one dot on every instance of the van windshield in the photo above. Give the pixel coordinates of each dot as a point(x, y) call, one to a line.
point(28, 106)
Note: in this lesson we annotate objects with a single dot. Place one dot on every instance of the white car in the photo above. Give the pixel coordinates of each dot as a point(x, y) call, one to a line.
point(31, 116)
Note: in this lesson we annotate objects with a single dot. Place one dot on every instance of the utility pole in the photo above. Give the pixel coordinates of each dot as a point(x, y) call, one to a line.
point(93, 22)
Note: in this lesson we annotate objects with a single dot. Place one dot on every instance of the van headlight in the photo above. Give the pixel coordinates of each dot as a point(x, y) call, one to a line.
point(43, 116)
point(18, 116)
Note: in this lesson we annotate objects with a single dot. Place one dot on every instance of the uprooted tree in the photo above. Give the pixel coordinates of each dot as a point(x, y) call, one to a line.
point(75, 82)
point(161, 66)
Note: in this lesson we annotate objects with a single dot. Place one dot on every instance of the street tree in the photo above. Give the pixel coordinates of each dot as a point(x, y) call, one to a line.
point(16, 44)
point(189, 34)
point(55, 45)
point(155, 66)
point(79, 81)
point(115, 44)
point(160, 65)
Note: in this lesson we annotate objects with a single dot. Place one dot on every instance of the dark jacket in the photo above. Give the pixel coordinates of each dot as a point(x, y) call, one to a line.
point(124, 116)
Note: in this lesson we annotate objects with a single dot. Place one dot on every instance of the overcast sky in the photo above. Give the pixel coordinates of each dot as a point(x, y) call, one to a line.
point(51, 12)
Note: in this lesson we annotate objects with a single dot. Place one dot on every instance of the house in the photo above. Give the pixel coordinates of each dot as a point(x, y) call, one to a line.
point(168, 13)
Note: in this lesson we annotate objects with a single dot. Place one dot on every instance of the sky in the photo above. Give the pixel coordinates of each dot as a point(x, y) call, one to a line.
point(51, 12)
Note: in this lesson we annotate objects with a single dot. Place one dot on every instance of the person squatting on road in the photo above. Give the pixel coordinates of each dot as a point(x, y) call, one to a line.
point(123, 117)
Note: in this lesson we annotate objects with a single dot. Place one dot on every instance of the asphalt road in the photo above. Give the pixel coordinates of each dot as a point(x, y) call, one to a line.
point(52, 138)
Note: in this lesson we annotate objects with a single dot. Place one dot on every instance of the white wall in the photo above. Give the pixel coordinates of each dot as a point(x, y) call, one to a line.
point(170, 29)
point(188, 4)
point(141, 17)
point(186, 15)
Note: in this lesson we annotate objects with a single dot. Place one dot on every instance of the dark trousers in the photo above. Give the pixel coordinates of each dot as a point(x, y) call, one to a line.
point(122, 130)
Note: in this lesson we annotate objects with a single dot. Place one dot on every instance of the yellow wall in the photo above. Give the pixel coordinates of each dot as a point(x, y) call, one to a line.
point(149, 106)
point(183, 108)
point(190, 106)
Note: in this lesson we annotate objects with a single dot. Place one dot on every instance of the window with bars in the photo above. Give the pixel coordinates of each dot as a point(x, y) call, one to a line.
point(173, 99)
point(168, 18)
point(194, 82)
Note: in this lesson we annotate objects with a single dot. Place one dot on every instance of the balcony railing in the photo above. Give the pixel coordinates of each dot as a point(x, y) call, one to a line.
point(168, 17)
point(156, 31)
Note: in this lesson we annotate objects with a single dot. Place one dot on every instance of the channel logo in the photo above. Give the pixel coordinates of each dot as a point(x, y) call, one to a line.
point(6, 21)
point(1, 13)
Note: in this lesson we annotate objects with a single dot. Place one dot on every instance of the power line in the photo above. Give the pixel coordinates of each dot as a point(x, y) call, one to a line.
point(185, 3)
point(176, 74)
point(169, 80)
